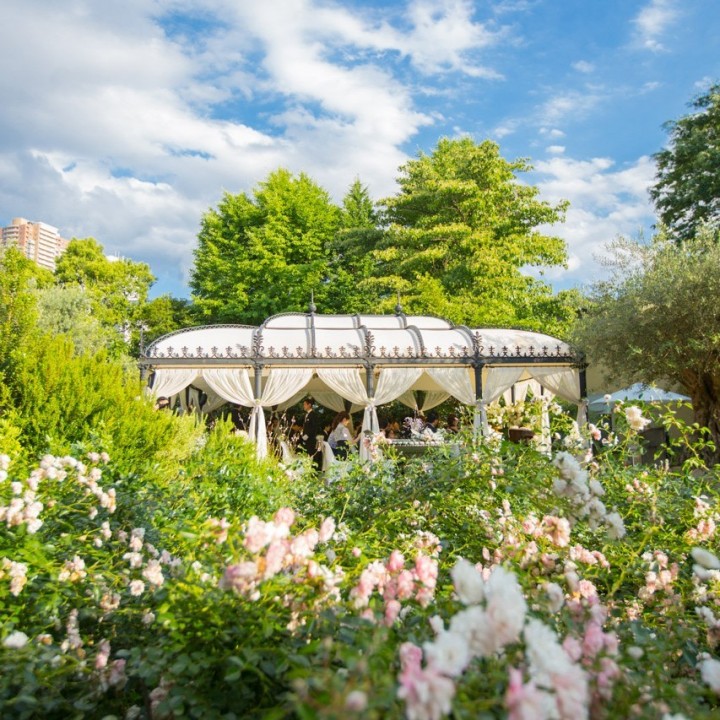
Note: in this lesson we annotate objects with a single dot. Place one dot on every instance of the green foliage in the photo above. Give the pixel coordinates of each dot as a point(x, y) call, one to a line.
point(656, 319)
point(125, 611)
point(163, 315)
point(19, 278)
point(223, 478)
point(263, 255)
point(68, 310)
point(462, 229)
point(116, 288)
point(687, 189)
point(351, 263)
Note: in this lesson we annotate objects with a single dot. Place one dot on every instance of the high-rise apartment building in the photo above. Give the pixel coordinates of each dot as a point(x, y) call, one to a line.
point(37, 240)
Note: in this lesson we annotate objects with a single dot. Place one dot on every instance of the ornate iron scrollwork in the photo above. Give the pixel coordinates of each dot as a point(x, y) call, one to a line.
point(257, 344)
point(369, 344)
point(477, 344)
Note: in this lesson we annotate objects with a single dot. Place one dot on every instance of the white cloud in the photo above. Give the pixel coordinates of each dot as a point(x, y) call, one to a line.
point(583, 66)
point(653, 22)
point(604, 202)
point(555, 149)
point(551, 132)
point(117, 128)
point(571, 104)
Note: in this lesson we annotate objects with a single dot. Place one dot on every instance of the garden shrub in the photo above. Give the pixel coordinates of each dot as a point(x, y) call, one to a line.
point(485, 581)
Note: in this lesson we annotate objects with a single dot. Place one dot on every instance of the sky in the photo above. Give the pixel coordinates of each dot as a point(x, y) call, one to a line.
point(127, 120)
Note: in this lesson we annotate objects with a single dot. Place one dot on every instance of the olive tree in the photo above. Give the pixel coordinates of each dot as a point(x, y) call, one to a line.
point(658, 318)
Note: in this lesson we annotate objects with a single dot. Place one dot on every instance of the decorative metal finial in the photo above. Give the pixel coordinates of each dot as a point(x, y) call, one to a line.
point(312, 308)
point(398, 307)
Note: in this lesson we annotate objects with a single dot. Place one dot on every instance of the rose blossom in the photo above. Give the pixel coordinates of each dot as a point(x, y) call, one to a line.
point(468, 582)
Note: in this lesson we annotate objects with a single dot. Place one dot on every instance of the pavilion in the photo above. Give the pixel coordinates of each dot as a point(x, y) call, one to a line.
point(359, 362)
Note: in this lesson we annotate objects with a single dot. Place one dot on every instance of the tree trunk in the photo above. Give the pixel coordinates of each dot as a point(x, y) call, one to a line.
point(704, 390)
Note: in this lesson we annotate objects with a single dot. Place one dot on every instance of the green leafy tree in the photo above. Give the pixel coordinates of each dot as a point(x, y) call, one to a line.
point(260, 255)
point(658, 319)
point(165, 314)
point(687, 190)
point(69, 311)
point(19, 279)
point(117, 288)
point(351, 262)
point(462, 231)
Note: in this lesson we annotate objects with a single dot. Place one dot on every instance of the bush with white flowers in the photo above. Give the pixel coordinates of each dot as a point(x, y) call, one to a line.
point(494, 581)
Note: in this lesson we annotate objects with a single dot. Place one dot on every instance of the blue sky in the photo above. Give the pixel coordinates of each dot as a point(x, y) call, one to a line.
point(126, 120)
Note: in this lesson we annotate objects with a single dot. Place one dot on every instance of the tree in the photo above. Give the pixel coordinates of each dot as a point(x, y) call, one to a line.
point(462, 231)
point(165, 314)
point(116, 287)
point(69, 311)
point(19, 280)
point(687, 190)
point(657, 319)
point(260, 255)
point(350, 254)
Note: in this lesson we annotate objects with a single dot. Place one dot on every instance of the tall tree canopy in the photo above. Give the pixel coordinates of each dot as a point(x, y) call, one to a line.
point(658, 319)
point(20, 279)
point(687, 188)
point(351, 262)
point(260, 255)
point(462, 229)
point(116, 287)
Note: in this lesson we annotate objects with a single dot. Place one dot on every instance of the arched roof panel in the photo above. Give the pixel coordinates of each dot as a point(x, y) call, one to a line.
point(297, 335)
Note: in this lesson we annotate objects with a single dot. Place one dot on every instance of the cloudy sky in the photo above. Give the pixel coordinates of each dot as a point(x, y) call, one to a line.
point(126, 120)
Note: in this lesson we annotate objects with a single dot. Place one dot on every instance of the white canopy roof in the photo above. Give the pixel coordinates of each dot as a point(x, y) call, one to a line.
point(359, 361)
point(396, 338)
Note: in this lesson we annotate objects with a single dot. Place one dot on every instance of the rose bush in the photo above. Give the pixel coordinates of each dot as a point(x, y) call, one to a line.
point(491, 581)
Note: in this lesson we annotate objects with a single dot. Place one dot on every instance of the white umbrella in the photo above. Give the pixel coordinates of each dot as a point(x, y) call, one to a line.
point(639, 392)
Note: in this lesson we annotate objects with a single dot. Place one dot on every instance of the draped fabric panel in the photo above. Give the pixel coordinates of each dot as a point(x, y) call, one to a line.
point(329, 399)
point(282, 383)
point(190, 399)
point(408, 398)
point(233, 384)
point(213, 402)
point(349, 383)
point(565, 383)
point(498, 379)
point(172, 381)
point(393, 382)
point(562, 382)
point(293, 400)
point(459, 383)
point(432, 398)
point(328, 456)
point(456, 381)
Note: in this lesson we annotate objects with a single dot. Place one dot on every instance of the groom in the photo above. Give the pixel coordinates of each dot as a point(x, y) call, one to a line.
point(310, 430)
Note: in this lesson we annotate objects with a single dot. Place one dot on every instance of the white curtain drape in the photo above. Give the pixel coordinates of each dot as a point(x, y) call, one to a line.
point(565, 383)
point(213, 402)
point(282, 383)
point(328, 456)
point(234, 385)
point(498, 379)
point(172, 381)
point(350, 384)
point(231, 383)
point(456, 381)
point(432, 399)
point(459, 382)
